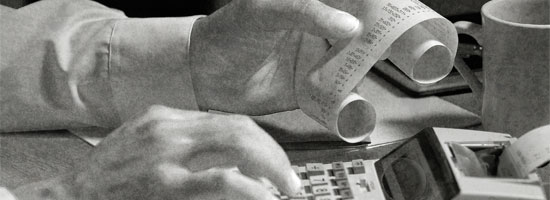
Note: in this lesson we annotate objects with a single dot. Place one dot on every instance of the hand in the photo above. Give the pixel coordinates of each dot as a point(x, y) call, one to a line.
point(175, 154)
point(244, 55)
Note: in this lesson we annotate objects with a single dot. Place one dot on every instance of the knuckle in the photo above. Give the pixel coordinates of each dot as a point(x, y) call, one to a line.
point(241, 119)
point(221, 180)
point(165, 174)
point(241, 134)
point(153, 126)
point(156, 111)
point(242, 125)
point(237, 134)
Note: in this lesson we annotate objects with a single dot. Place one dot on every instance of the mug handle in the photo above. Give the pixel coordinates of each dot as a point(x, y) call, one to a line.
point(474, 30)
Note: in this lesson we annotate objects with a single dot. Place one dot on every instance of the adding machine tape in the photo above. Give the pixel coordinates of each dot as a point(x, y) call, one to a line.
point(529, 152)
point(415, 38)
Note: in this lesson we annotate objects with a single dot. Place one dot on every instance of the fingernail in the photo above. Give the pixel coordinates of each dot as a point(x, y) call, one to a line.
point(345, 23)
point(295, 182)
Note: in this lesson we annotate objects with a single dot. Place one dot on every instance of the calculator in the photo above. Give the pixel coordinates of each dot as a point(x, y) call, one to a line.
point(424, 167)
point(335, 181)
point(413, 170)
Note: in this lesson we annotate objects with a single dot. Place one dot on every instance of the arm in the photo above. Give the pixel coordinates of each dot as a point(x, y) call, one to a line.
point(88, 65)
point(67, 63)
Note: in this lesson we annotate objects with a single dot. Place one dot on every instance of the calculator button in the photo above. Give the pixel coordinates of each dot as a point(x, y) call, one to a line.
point(338, 166)
point(318, 180)
point(357, 163)
point(340, 175)
point(307, 189)
point(305, 182)
point(324, 198)
point(303, 175)
point(301, 194)
point(314, 169)
point(358, 167)
point(364, 185)
point(320, 189)
point(342, 183)
point(346, 193)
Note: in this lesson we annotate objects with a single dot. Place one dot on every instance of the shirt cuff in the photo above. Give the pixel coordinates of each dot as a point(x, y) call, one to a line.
point(149, 64)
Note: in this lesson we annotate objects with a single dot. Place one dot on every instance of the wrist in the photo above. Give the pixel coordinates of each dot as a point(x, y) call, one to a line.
point(197, 50)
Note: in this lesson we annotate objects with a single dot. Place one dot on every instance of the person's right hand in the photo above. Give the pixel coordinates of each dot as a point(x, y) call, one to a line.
point(175, 154)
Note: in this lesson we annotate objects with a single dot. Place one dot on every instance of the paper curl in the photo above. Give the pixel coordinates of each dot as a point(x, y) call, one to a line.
point(419, 41)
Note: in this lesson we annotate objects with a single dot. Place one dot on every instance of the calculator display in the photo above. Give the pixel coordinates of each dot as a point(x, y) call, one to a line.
point(417, 170)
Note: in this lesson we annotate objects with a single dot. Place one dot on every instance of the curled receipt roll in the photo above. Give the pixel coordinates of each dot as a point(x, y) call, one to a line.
point(415, 38)
point(529, 152)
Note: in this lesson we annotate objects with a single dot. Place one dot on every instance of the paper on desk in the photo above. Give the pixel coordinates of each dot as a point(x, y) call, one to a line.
point(423, 45)
point(529, 152)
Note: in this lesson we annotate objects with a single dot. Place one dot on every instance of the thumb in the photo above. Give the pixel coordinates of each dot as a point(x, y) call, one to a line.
point(316, 18)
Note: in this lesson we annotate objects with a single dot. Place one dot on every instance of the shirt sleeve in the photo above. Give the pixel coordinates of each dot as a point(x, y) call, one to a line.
point(76, 63)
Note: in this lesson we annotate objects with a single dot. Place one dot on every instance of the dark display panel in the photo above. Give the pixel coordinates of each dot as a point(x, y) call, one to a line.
point(417, 170)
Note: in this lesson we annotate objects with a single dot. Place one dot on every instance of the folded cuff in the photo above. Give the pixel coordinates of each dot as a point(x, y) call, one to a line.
point(149, 64)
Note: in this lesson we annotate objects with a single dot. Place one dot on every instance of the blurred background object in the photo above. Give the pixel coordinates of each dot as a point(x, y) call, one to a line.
point(164, 8)
point(469, 49)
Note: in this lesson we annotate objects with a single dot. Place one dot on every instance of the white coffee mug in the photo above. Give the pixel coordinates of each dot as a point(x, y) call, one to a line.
point(515, 35)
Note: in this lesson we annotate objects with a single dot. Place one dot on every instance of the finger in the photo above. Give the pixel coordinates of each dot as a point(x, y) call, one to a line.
point(238, 141)
point(315, 17)
point(222, 184)
point(160, 112)
point(157, 117)
point(256, 154)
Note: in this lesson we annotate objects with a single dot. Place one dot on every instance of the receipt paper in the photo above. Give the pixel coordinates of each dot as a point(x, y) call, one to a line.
point(529, 152)
point(415, 38)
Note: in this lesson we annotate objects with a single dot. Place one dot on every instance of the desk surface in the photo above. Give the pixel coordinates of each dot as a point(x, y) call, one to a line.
point(32, 156)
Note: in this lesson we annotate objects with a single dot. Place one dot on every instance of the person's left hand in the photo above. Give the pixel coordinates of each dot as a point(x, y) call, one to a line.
point(244, 55)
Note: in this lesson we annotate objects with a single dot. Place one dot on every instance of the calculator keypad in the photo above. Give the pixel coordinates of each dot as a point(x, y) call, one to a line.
point(336, 181)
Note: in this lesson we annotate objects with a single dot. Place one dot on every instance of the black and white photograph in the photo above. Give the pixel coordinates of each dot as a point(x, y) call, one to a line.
point(275, 100)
